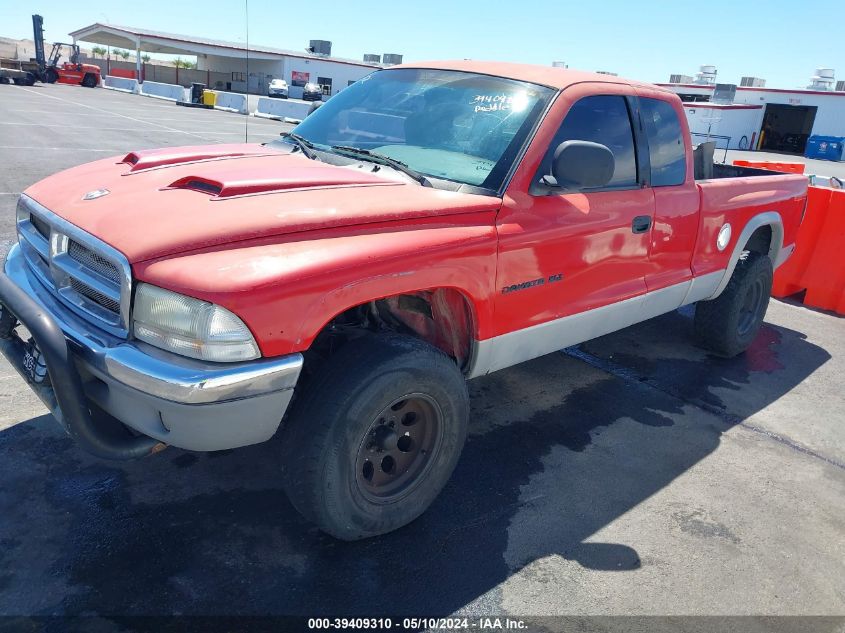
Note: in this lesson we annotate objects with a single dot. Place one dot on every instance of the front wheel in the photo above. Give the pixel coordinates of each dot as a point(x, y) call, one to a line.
point(51, 76)
point(375, 436)
point(728, 324)
point(89, 81)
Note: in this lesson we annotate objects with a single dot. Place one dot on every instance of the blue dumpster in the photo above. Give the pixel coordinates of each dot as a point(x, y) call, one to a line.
point(825, 147)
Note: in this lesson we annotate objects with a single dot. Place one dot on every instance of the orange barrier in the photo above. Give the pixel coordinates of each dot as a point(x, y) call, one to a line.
point(790, 168)
point(789, 278)
point(123, 72)
point(825, 275)
point(818, 264)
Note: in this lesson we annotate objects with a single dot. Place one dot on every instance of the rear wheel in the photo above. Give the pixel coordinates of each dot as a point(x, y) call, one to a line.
point(375, 436)
point(728, 324)
point(51, 76)
point(89, 81)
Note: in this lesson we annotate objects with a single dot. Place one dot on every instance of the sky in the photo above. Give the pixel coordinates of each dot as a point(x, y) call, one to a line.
point(782, 42)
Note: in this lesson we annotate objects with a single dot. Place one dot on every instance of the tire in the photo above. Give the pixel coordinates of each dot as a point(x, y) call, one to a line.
point(728, 324)
point(51, 76)
point(89, 80)
point(343, 430)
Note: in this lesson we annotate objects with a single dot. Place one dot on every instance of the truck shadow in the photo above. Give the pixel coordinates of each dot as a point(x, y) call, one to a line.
point(559, 448)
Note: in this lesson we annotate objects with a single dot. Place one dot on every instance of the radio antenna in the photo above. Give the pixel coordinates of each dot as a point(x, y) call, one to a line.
point(246, 121)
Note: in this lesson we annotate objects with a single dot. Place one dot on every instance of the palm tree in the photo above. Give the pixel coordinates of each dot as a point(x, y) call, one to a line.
point(124, 55)
point(145, 58)
point(98, 50)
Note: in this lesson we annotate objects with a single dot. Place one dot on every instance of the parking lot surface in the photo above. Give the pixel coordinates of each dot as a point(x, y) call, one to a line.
point(634, 474)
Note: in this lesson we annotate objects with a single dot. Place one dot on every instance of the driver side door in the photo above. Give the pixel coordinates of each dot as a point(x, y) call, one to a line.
point(572, 264)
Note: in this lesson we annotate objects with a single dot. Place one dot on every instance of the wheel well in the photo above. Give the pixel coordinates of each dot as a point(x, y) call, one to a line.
point(442, 317)
point(760, 241)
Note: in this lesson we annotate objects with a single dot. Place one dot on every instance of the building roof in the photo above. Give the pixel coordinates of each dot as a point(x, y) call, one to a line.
point(552, 76)
point(177, 44)
point(707, 105)
point(800, 91)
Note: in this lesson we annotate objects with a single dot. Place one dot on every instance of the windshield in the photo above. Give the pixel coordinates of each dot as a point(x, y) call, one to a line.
point(456, 126)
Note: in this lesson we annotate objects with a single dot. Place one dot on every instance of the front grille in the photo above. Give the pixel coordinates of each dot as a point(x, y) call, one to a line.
point(97, 297)
point(92, 260)
point(41, 226)
point(87, 275)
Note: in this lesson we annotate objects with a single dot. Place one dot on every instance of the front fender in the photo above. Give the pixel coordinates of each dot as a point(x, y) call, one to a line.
point(287, 292)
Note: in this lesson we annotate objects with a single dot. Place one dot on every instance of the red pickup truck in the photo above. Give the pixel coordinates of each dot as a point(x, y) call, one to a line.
point(429, 224)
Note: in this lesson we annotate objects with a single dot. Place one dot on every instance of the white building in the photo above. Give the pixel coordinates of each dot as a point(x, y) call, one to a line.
point(757, 117)
point(230, 64)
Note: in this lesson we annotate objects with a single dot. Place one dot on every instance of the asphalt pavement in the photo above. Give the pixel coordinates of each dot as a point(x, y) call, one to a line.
point(632, 475)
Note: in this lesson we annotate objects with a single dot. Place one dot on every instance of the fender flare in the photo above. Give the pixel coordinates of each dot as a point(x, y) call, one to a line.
point(480, 309)
point(769, 218)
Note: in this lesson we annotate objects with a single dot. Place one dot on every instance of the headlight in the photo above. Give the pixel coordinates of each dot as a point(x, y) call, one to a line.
point(190, 327)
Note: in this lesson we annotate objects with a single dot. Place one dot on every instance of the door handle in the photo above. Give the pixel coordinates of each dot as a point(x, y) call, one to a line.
point(641, 224)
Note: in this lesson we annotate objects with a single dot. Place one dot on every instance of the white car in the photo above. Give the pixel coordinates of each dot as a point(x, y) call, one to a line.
point(278, 88)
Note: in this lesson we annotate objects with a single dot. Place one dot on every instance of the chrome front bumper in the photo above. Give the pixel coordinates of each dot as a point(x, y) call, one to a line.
point(175, 400)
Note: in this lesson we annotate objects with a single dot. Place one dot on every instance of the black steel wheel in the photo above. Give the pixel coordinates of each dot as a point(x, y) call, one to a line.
point(375, 436)
point(51, 76)
point(398, 448)
point(728, 324)
point(89, 81)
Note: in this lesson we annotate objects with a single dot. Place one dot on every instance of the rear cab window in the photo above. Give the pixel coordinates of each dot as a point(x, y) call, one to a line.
point(667, 153)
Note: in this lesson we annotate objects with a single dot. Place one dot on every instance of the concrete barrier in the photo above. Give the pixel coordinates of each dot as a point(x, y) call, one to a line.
point(290, 110)
point(122, 84)
point(231, 102)
point(170, 92)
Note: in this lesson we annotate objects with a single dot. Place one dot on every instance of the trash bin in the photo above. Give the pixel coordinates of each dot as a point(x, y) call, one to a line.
point(209, 97)
point(825, 147)
point(196, 92)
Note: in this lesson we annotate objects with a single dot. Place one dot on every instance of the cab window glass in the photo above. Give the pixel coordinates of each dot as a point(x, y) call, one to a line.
point(665, 143)
point(601, 119)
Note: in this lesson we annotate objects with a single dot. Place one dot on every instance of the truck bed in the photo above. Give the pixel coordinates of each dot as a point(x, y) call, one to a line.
point(722, 170)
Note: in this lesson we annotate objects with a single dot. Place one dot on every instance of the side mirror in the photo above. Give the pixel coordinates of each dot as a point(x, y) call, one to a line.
point(314, 106)
point(581, 165)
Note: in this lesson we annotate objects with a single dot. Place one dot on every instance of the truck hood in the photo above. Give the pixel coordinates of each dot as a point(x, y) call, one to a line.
point(154, 203)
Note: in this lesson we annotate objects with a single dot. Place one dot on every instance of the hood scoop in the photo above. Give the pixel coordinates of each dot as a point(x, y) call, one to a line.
point(150, 159)
point(240, 183)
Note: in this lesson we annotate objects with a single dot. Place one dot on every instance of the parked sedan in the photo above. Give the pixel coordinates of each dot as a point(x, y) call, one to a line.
point(312, 92)
point(278, 88)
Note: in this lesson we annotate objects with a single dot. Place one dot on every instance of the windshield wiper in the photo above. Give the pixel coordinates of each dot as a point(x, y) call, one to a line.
point(305, 146)
point(381, 159)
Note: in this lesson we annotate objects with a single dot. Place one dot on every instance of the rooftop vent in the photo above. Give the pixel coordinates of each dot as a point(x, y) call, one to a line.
point(320, 47)
point(752, 82)
point(371, 58)
point(680, 79)
point(706, 75)
point(823, 79)
point(724, 93)
point(607, 72)
point(840, 86)
point(391, 59)
point(559, 65)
